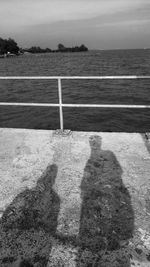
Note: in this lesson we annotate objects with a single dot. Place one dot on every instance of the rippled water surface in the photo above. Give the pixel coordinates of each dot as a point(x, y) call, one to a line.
point(92, 63)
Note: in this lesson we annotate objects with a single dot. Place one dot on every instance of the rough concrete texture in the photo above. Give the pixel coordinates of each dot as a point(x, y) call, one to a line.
point(75, 201)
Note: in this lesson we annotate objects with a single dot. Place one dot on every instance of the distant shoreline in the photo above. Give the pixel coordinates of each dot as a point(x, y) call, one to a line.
point(114, 49)
point(61, 49)
point(9, 47)
point(8, 55)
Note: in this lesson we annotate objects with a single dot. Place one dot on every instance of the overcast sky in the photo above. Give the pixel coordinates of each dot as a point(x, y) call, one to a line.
point(99, 24)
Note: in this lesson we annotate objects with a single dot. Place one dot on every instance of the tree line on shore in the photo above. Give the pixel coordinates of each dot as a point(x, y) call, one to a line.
point(61, 48)
point(9, 46)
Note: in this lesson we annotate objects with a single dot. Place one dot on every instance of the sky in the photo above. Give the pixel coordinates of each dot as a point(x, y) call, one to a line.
point(99, 24)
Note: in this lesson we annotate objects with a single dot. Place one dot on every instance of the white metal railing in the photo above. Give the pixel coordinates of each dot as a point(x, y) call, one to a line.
point(60, 104)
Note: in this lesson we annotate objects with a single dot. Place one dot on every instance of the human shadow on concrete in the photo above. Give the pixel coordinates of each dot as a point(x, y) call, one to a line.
point(29, 223)
point(146, 140)
point(107, 218)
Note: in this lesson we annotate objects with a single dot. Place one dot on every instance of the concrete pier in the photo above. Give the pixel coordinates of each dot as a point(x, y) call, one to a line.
point(77, 200)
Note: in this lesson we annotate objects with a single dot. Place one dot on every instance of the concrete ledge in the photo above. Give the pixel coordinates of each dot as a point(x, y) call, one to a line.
point(63, 193)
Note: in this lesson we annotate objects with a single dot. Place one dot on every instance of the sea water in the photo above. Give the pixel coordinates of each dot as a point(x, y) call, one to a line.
point(91, 63)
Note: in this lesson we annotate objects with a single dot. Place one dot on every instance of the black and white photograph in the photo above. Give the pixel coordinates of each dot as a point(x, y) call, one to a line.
point(74, 133)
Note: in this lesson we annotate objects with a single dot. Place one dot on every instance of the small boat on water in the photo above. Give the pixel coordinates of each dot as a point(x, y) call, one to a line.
point(8, 54)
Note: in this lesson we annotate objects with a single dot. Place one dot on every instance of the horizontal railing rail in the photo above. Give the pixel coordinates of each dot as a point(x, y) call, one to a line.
point(73, 105)
point(74, 77)
point(60, 104)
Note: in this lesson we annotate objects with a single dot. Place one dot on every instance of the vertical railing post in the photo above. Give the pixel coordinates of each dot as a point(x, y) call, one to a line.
point(60, 105)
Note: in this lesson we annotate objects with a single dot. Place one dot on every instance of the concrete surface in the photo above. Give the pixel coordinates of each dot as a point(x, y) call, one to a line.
point(76, 200)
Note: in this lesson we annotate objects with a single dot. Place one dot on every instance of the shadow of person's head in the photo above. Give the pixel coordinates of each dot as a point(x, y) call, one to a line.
point(95, 142)
point(48, 177)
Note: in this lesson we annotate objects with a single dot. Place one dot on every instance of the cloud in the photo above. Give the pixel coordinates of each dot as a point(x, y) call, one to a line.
point(46, 22)
point(31, 12)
